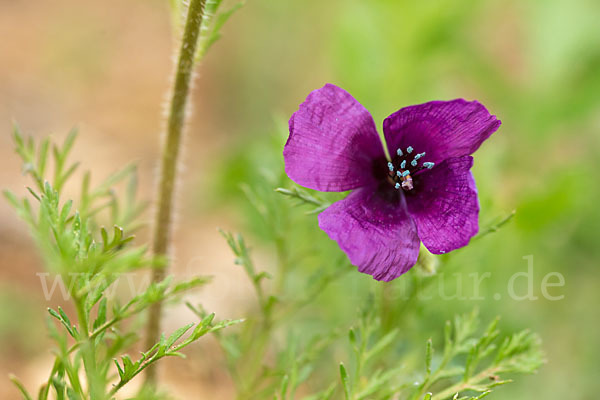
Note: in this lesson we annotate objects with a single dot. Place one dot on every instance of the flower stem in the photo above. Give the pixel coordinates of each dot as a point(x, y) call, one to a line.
point(168, 166)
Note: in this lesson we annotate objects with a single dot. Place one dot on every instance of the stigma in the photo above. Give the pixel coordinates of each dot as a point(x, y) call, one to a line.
point(403, 165)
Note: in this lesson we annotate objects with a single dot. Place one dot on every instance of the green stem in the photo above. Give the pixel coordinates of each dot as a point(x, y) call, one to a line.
point(88, 352)
point(461, 386)
point(495, 227)
point(282, 261)
point(168, 167)
point(387, 317)
point(122, 383)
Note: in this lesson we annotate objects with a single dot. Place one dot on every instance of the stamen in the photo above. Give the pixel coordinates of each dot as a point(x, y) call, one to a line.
point(400, 176)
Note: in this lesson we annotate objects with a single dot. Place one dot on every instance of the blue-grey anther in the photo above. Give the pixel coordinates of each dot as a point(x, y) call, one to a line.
point(403, 164)
point(399, 152)
point(419, 155)
point(413, 163)
point(391, 166)
point(405, 173)
point(428, 165)
point(409, 149)
point(398, 174)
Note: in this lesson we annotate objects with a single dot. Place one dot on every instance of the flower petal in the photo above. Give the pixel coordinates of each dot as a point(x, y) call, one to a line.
point(446, 207)
point(376, 233)
point(442, 129)
point(333, 142)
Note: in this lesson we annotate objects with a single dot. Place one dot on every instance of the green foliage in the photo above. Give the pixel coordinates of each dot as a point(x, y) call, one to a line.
point(519, 353)
point(379, 377)
point(238, 246)
point(304, 197)
point(213, 21)
point(296, 339)
point(90, 261)
point(468, 363)
point(165, 348)
point(21, 387)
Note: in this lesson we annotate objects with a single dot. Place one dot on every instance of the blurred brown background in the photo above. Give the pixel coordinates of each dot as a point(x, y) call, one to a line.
point(102, 67)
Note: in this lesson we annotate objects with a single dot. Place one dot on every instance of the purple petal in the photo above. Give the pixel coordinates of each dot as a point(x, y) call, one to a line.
point(333, 142)
point(442, 129)
point(446, 208)
point(376, 233)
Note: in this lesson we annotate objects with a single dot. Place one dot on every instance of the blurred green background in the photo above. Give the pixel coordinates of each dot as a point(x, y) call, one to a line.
point(535, 64)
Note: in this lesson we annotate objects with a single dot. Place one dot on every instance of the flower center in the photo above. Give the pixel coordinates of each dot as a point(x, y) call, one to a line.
point(403, 165)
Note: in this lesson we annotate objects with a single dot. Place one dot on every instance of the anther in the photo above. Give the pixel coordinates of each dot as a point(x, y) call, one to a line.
point(391, 166)
point(403, 164)
point(409, 149)
point(397, 185)
point(419, 155)
point(399, 174)
point(405, 173)
point(399, 152)
point(414, 162)
point(428, 165)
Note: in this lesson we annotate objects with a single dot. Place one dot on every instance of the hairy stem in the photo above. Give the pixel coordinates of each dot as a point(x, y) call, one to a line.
point(168, 167)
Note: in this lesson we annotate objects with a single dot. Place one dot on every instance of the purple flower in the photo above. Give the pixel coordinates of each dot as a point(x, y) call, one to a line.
point(425, 193)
